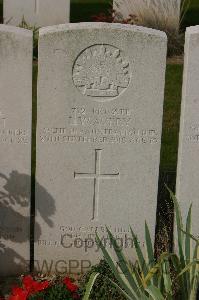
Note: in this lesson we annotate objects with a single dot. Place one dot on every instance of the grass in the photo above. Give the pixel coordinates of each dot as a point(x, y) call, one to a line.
point(172, 106)
point(192, 15)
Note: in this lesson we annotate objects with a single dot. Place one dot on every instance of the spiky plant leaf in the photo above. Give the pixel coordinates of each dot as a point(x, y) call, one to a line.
point(89, 285)
point(142, 263)
point(154, 293)
point(122, 280)
point(124, 265)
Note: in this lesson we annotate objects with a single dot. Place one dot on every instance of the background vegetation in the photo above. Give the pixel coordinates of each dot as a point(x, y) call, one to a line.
point(83, 10)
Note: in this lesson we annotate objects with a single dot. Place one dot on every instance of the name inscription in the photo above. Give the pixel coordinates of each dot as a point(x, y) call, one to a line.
point(100, 125)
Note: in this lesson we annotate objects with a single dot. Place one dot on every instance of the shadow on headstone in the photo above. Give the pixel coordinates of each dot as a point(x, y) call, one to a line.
point(15, 221)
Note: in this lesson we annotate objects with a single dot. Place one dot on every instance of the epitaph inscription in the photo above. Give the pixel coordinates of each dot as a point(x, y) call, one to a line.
point(97, 176)
point(101, 71)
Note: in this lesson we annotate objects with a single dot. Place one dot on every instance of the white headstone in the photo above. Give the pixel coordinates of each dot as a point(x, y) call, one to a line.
point(100, 104)
point(187, 189)
point(15, 148)
point(36, 12)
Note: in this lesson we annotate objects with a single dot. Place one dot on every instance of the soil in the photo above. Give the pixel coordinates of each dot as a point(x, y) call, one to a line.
point(175, 60)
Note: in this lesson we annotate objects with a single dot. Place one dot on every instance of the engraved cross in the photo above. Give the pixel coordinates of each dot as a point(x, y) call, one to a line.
point(97, 176)
point(36, 6)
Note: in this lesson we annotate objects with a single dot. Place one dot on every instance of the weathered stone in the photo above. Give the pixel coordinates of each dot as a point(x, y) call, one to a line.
point(36, 12)
point(15, 148)
point(100, 103)
point(187, 189)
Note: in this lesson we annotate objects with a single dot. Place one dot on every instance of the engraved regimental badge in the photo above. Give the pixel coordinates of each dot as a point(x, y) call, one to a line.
point(101, 72)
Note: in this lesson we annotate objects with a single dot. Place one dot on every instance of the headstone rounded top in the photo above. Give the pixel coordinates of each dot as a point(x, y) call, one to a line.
point(102, 25)
point(16, 30)
point(192, 29)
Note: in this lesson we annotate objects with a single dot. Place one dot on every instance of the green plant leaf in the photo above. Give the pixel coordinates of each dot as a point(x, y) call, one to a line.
point(180, 237)
point(188, 267)
point(149, 246)
point(122, 280)
point(194, 286)
point(152, 272)
point(188, 241)
point(167, 278)
point(140, 256)
point(154, 293)
point(90, 285)
point(195, 269)
point(188, 245)
point(124, 265)
point(179, 224)
point(157, 266)
point(191, 236)
point(121, 290)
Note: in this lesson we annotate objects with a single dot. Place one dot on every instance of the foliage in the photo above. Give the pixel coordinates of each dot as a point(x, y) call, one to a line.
point(186, 259)
point(157, 14)
point(102, 290)
point(111, 17)
point(58, 292)
point(153, 279)
point(192, 16)
point(35, 31)
point(171, 117)
point(144, 281)
point(31, 289)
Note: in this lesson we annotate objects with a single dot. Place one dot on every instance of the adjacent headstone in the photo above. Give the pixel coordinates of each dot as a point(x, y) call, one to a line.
point(187, 189)
point(100, 104)
point(15, 148)
point(36, 12)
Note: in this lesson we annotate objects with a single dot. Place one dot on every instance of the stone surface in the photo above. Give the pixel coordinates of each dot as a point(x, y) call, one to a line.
point(37, 12)
point(15, 147)
point(187, 189)
point(100, 103)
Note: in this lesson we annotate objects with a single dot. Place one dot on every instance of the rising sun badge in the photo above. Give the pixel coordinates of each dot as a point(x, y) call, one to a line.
point(101, 72)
